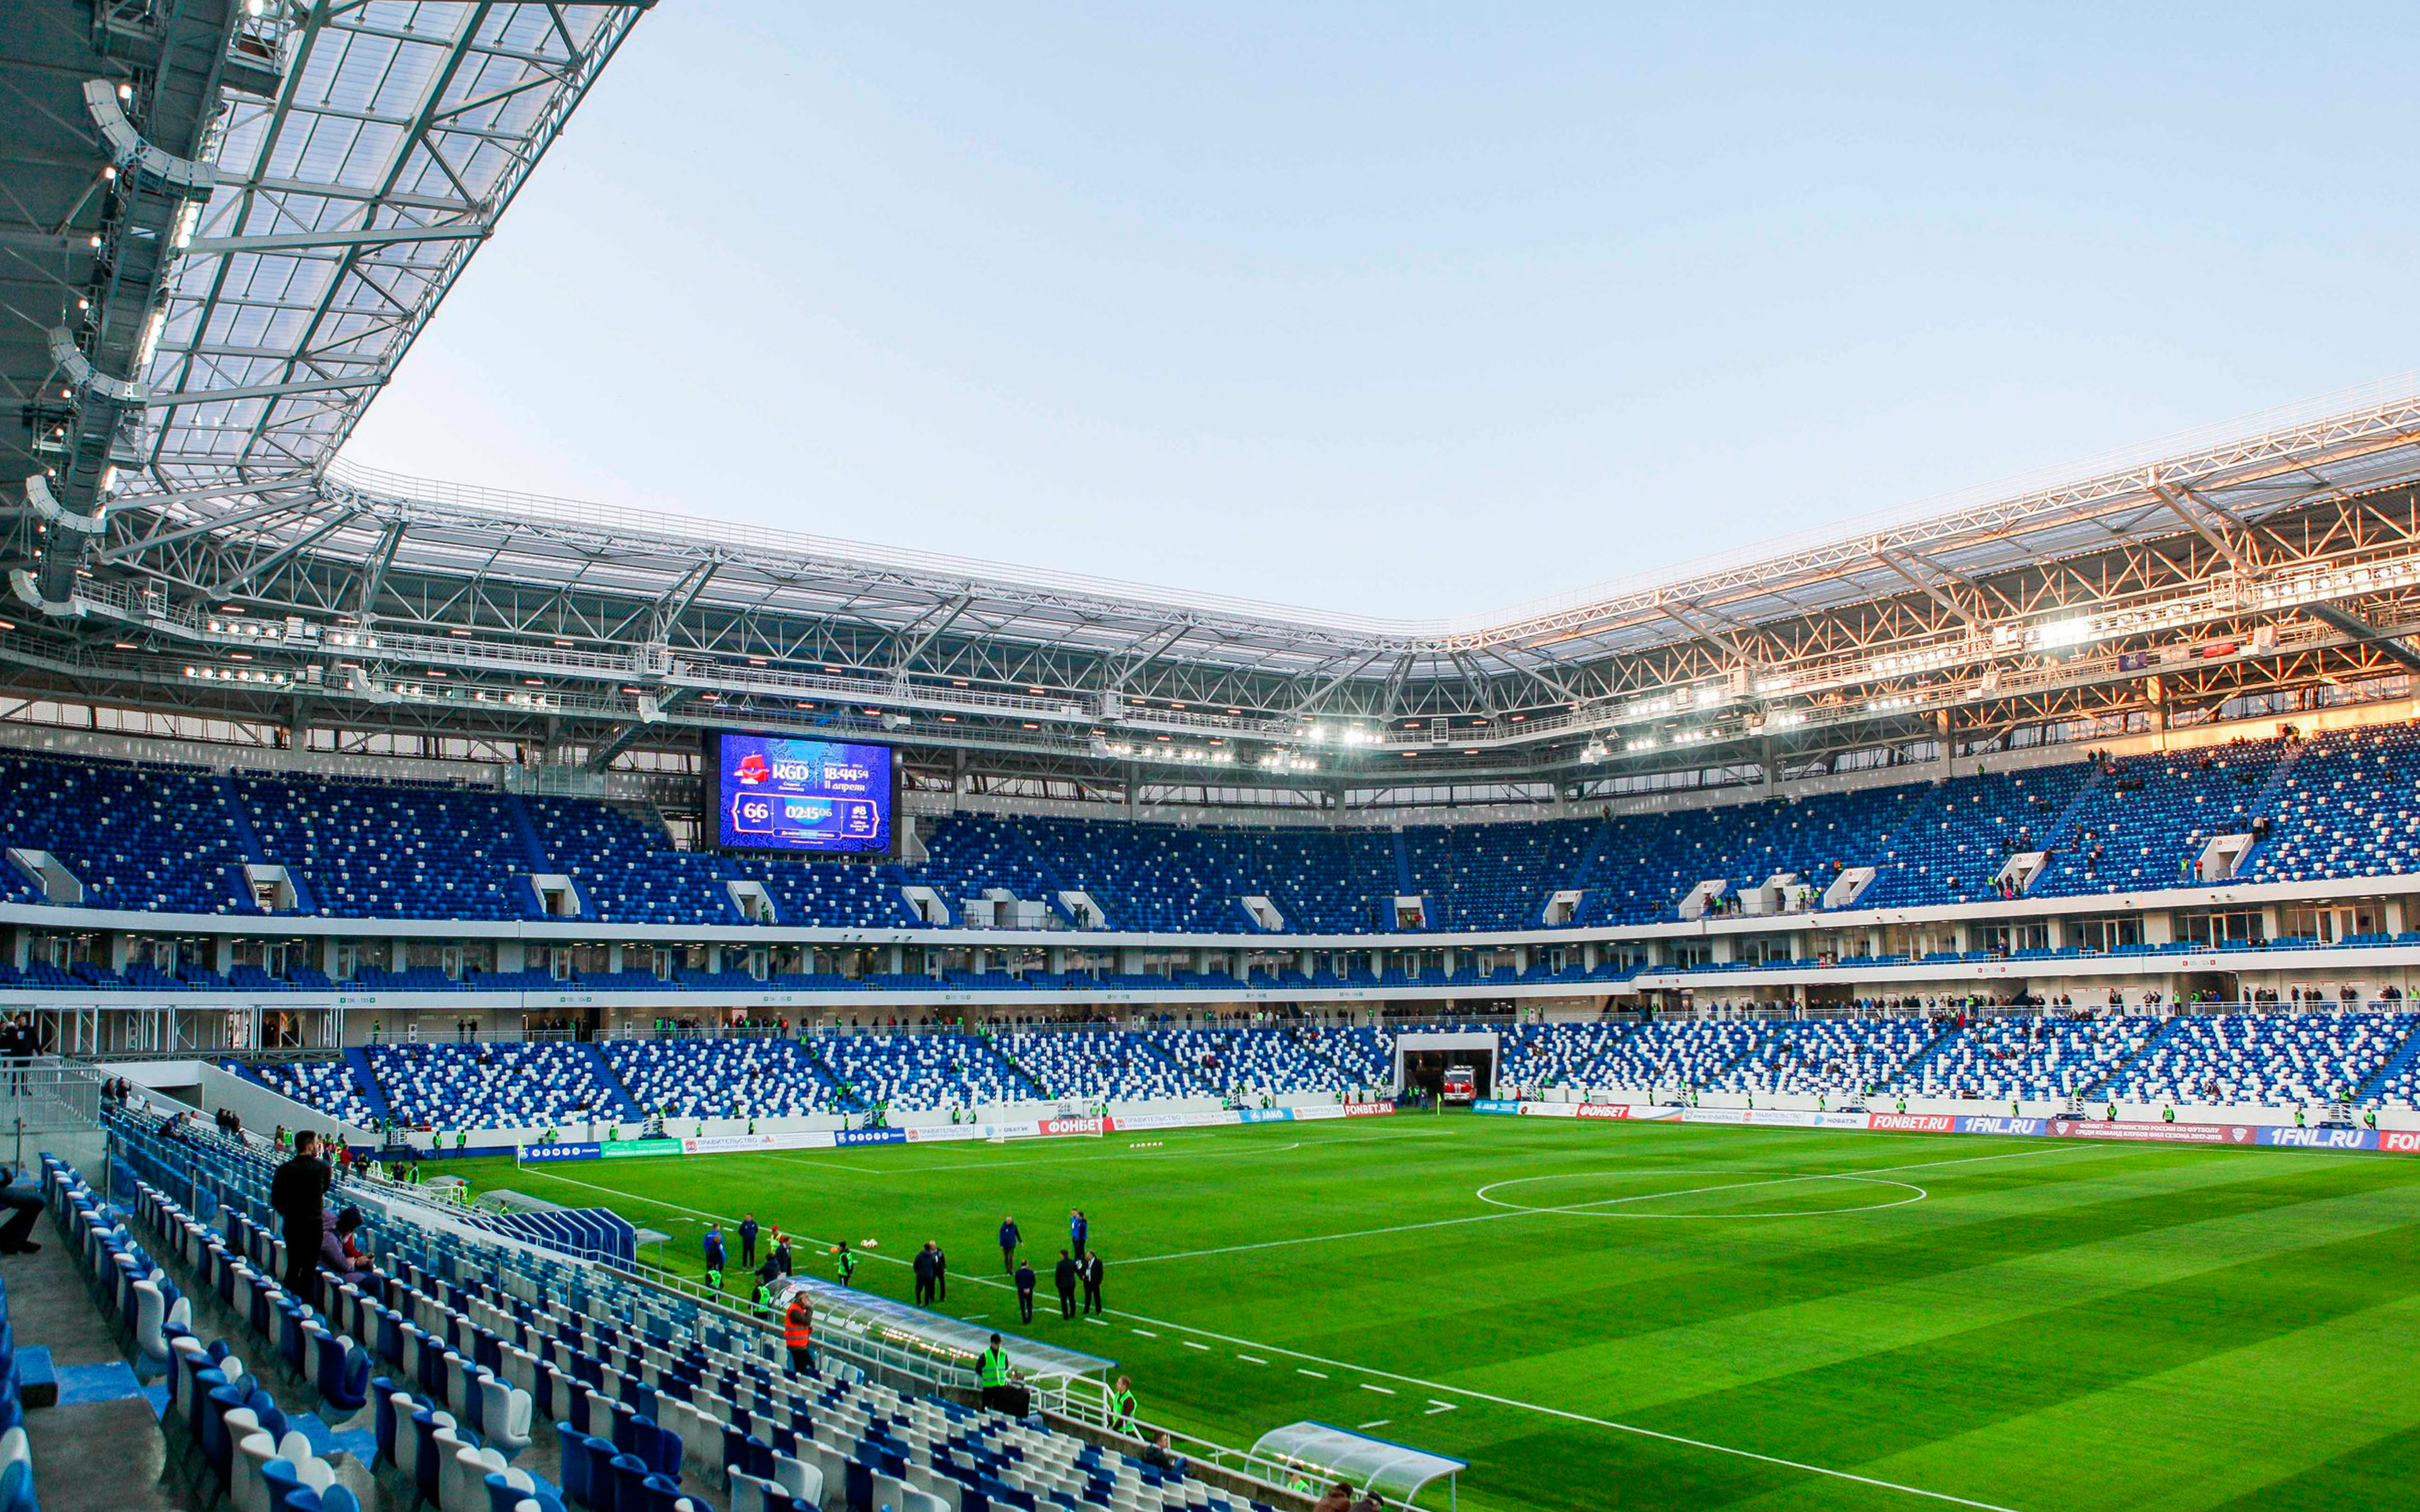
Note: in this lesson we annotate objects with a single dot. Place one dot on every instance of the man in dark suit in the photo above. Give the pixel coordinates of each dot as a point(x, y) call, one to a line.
point(928, 1270)
point(296, 1194)
point(1025, 1279)
point(1090, 1271)
point(1065, 1276)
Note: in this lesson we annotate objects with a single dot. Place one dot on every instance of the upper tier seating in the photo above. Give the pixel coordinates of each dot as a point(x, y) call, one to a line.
point(1493, 876)
point(1950, 848)
point(626, 870)
point(385, 850)
point(163, 838)
point(137, 835)
point(2146, 826)
point(2345, 808)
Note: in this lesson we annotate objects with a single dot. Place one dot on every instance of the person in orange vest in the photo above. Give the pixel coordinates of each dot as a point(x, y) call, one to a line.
point(797, 1333)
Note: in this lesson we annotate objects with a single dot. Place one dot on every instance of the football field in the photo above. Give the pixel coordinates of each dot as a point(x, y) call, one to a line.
point(1683, 1317)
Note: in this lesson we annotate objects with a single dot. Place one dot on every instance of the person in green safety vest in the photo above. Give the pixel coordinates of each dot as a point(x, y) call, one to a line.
point(2298, 1122)
point(714, 1276)
point(2370, 1118)
point(1122, 1407)
point(2167, 1113)
point(763, 1301)
point(846, 1265)
point(461, 1141)
point(991, 1374)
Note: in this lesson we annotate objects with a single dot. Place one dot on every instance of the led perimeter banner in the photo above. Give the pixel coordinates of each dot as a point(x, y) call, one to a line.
point(776, 792)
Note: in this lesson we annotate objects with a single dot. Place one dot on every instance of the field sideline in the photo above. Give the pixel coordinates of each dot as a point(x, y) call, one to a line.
point(1660, 1316)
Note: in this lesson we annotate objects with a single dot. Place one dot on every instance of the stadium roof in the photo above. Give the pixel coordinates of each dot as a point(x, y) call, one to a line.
point(242, 221)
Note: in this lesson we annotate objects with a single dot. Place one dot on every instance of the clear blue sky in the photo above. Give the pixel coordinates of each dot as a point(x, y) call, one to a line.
point(1414, 310)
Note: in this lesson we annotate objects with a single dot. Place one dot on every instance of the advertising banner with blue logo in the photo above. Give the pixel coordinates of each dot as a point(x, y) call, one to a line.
point(1264, 1114)
point(584, 1150)
point(1495, 1105)
point(1971, 1124)
point(2318, 1138)
point(871, 1136)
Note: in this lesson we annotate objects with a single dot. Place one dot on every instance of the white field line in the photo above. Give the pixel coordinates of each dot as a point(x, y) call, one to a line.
point(1516, 1212)
point(792, 1158)
point(1466, 1393)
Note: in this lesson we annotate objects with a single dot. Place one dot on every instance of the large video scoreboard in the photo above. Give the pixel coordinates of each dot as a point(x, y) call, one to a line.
point(777, 792)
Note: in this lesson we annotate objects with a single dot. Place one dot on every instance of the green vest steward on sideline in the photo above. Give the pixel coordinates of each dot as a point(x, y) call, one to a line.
point(992, 1370)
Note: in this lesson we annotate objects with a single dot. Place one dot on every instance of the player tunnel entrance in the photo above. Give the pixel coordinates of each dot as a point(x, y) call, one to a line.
point(1440, 1074)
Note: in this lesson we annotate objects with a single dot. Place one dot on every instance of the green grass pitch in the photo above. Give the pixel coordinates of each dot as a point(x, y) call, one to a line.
point(1700, 1317)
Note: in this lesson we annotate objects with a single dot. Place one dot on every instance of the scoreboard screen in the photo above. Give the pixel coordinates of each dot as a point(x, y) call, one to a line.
point(777, 793)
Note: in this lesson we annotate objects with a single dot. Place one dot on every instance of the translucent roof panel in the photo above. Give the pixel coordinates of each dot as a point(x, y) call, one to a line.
point(898, 1327)
point(1394, 1470)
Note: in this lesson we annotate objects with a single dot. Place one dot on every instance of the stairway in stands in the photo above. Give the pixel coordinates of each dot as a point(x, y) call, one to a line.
point(1018, 1074)
point(1189, 1074)
point(2150, 1044)
point(607, 1079)
point(2395, 1066)
point(2263, 800)
point(1900, 1077)
point(357, 1059)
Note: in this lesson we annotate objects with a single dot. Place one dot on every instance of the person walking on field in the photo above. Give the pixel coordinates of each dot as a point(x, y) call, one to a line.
point(1064, 1274)
point(1090, 1271)
point(1010, 1237)
point(1025, 1279)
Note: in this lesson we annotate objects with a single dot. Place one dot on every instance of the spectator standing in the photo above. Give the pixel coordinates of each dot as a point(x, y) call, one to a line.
point(991, 1374)
point(298, 1192)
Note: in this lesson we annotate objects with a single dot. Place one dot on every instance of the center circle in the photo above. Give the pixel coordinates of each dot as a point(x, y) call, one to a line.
point(1623, 1207)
